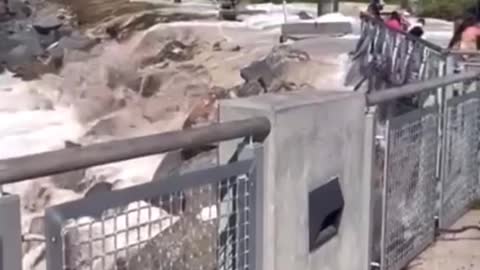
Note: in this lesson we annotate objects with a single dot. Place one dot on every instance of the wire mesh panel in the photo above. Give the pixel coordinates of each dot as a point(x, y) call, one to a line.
point(460, 170)
point(409, 190)
point(202, 220)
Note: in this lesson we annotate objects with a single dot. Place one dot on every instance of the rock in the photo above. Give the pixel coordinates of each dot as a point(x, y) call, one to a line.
point(201, 111)
point(47, 24)
point(105, 127)
point(21, 9)
point(22, 59)
point(99, 188)
point(7, 44)
point(266, 75)
point(159, 108)
point(76, 42)
point(250, 88)
point(304, 15)
point(174, 51)
point(217, 46)
point(70, 180)
point(225, 46)
point(73, 44)
point(75, 56)
point(29, 41)
point(150, 84)
point(189, 243)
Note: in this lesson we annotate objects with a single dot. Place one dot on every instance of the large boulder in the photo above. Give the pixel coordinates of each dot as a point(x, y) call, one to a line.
point(46, 25)
point(270, 74)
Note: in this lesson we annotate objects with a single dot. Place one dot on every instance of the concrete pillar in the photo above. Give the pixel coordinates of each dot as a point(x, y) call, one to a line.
point(315, 137)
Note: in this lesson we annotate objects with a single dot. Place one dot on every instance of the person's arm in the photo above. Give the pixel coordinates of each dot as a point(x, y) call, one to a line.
point(477, 31)
point(405, 23)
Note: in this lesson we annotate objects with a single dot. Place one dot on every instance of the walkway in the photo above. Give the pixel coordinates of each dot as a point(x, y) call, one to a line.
point(453, 251)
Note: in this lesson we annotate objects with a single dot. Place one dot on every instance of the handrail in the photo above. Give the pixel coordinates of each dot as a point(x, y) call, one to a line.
point(415, 88)
point(463, 52)
point(426, 43)
point(70, 159)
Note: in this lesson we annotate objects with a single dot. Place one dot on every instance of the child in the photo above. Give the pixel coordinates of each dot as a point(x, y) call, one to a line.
point(395, 21)
point(416, 29)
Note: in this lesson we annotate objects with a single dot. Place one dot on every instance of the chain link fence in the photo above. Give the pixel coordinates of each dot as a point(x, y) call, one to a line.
point(409, 187)
point(203, 220)
point(460, 175)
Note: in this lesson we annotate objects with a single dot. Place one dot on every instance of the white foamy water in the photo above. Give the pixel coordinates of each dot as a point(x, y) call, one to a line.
point(25, 129)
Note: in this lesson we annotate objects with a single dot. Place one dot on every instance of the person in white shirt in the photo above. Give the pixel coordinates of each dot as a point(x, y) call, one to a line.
point(416, 29)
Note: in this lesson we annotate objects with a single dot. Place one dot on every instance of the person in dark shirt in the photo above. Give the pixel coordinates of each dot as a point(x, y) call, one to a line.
point(416, 29)
point(374, 8)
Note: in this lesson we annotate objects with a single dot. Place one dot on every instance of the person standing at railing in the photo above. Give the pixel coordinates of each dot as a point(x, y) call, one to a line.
point(466, 35)
point(374, 8)
point(395, 21)
point(416, 29)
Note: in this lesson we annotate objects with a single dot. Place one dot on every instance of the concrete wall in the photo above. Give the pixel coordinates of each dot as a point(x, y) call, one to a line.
point(315, 136)
point(307, 29)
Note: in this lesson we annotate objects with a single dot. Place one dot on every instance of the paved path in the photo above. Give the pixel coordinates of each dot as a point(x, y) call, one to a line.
point(454, 251)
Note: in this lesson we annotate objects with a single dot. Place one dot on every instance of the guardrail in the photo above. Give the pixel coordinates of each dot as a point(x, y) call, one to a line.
point(203, 218)
point(393, 58)
point(430, 164)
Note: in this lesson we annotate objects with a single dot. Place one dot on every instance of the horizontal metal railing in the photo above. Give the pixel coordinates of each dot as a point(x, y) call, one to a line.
point(418, 87)
point(365, 17)
point(60, 161)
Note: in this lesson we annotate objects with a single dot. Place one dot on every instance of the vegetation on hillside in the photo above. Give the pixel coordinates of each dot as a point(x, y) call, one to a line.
point(445, 9)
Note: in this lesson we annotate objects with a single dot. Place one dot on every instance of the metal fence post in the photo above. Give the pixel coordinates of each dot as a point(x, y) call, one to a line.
point(443, 118)
point(369, 163)
point(10, 233)
point(384, 197)
point(256, 206)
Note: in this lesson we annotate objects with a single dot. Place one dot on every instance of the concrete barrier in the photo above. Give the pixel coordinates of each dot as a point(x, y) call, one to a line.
point(308, 28)
point(314, 139)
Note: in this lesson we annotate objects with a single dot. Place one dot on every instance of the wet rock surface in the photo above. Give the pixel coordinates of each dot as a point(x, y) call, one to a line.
point(27, 37)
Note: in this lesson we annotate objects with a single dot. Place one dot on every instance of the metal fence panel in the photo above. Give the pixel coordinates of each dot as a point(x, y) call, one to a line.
point(201, 220)
point(460, 165)
point(408, 221)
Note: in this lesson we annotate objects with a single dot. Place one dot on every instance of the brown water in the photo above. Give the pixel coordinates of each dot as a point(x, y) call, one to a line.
point(93, 11)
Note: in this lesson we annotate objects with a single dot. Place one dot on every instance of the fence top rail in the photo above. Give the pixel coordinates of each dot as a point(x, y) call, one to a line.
point(470, 63)
point(70, 159)
point(464, 52)
point(416, 88)
point(367, 17)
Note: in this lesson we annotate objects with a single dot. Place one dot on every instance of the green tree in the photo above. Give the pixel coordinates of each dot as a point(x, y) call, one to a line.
point(445, 9)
